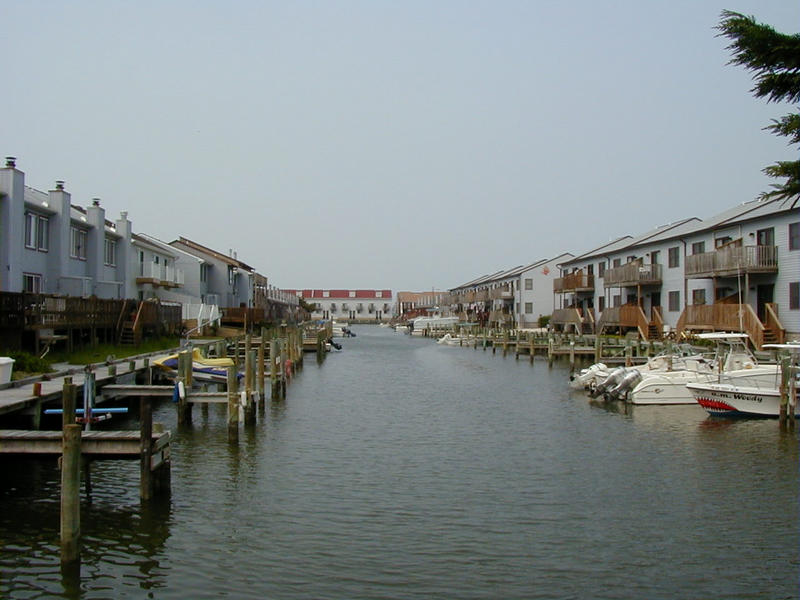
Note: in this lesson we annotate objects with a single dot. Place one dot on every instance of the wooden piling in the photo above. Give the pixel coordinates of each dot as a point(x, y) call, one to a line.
point(145, 448)
point(70, 493)
point(249, 369)
point(69, 394)
point(260, 373)
point(274, 357)
point(233, 404)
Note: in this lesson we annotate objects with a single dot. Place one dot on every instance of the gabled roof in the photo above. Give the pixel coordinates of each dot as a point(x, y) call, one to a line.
point(508, 273)
point(212, 253)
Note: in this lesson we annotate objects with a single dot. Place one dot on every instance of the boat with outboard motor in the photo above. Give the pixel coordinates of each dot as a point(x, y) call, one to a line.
point(725, 398)
point(732, 358)
point(213, 370)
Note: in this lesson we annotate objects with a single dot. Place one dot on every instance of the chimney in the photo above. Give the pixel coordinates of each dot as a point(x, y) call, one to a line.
point(60, 184)
point(95, 201)
point(11, 161)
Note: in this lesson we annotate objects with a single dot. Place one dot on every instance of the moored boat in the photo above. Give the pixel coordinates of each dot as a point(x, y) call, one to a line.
point(203, 369)
point(726, 398)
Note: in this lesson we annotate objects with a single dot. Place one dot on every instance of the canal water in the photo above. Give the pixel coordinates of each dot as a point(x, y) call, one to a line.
point(403, 469)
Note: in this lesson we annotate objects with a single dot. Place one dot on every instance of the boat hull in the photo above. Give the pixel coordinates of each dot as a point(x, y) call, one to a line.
point(671, 387)
point(726, 400)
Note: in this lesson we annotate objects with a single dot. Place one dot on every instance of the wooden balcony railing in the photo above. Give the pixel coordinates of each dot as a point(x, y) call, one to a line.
point(567, 316)
point(632, 274)
point(730, 317)
point(574, 282)
point(732, 260)
point(627, 315)
point(501, 293)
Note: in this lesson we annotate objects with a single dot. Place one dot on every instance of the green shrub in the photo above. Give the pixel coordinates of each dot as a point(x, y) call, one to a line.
point(29, 363)
point(544, 320)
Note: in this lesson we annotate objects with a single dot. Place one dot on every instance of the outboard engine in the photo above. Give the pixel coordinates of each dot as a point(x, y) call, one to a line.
point(582, 380)
point(613, 378)
point(626, 384)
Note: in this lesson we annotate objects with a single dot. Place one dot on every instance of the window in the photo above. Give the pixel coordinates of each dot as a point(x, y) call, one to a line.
point(617, 300)
point(721, 241)
point(352, 294)
point(110, 252)
point(31, 283)
point(601, 268)
point(698, 247)
point(379, 294)
point(794, 295)
point(37, 232)
point(674, 301)
point(590, 269)
point(617, 262)
point(601, 302)
point(529, 284)
point(794, 236)
point(326, 294)
point(655, 257)
point(204, 272)
point(231, 274)
point(78, 243)
point(529, 308)
point(698, 296)
point(765, 237)
point(674, 257)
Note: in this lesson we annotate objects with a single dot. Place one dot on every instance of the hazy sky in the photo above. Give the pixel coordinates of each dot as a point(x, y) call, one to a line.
point(408, 145)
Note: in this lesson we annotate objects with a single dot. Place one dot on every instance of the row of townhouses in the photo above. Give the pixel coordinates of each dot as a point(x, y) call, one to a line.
point(48, 245)
point(739, 270)
point(362, 305)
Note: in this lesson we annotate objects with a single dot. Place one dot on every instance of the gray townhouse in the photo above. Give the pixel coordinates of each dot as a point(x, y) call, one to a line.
point(738, 270)
point(513, 297)
point(224, 280)
point(48, 245)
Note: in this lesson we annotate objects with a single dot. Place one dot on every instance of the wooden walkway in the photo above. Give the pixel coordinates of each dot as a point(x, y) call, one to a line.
point(21, 395)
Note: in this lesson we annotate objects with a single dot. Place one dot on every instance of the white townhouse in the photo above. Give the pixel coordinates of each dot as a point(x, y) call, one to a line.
point(515, 297)
point(224, 280)
point(48, 245)
point(735, 271)
point(363, 305)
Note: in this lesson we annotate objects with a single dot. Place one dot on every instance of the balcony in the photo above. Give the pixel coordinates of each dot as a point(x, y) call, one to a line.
point(574, 282)
point(724, 316)
point(501, 293)
point(632, 274)
point(732, 260)
point(159, 275)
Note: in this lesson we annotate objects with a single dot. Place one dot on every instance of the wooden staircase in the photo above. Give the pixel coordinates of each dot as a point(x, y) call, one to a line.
point(653, 331)
point(771, 336)
point(127, 336)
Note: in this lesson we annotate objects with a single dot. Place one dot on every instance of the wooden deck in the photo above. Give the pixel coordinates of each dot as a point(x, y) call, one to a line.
point(20, 395)
point(94, 444)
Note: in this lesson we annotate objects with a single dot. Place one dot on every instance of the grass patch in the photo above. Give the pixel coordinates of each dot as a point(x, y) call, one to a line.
point(103, 352)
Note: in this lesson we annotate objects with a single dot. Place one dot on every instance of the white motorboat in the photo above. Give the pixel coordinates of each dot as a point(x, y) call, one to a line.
point(454, 340)
point(433, 322)
point(669, 387)
point(725, 398)
point(593, 376)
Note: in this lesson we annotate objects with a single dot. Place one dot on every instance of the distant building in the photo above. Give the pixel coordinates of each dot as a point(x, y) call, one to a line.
point(516, 297)
point(363, 305)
